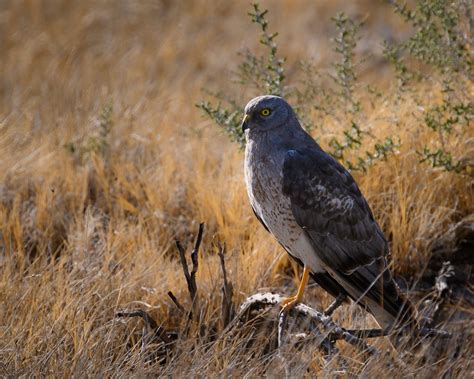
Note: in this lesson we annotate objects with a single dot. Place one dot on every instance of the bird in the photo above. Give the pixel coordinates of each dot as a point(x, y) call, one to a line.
point(314, 208)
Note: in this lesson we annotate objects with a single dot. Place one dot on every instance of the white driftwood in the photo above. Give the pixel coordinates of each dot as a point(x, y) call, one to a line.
point(328, 329)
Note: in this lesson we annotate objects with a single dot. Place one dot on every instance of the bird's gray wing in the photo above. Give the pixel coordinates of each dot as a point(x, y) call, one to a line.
point(327, 203)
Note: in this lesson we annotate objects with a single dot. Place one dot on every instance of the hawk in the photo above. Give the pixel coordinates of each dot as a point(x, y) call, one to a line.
point(314, 208)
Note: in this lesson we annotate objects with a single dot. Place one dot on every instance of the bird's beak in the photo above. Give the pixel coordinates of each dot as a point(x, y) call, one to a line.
point(245, 123)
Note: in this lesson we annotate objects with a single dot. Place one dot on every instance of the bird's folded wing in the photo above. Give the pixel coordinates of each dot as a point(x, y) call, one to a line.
point(327, 203)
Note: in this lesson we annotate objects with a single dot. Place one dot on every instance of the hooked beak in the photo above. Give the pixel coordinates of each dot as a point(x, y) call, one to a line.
point(245, 123)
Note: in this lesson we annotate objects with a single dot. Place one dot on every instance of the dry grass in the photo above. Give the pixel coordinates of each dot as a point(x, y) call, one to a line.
point(85, 236)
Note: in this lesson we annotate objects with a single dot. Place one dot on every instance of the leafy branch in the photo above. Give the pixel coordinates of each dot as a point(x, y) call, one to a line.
point(381, 152)
point(270, 69)
point(344, 45)
point(264, 73)
point(442, 37)
point(438, 51)
point(440, 158)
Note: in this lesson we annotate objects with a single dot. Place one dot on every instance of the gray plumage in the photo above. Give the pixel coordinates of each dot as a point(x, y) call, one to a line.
point(314, 208)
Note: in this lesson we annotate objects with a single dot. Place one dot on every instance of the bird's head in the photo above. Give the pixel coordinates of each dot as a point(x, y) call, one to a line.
point(266, 112)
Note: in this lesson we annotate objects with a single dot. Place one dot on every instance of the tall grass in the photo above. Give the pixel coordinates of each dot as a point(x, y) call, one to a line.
point(105, 161)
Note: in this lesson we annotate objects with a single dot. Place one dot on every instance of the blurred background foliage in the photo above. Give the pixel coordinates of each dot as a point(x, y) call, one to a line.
point(105, 161)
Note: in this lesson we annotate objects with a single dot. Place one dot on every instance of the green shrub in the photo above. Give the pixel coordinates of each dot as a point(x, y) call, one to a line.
point(438, 52)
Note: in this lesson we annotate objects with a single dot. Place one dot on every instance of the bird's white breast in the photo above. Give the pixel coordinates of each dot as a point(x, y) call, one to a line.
point(263, 177)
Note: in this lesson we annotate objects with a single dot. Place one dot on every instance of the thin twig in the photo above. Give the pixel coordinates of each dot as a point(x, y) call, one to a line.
point(227, 292)
point(176, 302)
point(184, 264)
point(367, 333)
point(194, 259)
point(149, 321)
point(194, 254)
point(338, 301)
point(151, 325)
point(191, 277)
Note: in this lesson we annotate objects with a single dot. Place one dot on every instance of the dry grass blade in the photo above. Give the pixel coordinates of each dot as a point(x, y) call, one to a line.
point(105, 162)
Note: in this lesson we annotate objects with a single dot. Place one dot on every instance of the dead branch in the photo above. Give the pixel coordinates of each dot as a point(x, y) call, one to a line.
point(191, 277)
point(338, 301)
point(322, 324)
point(434, 302)
point(227, 292)
point(184, 264)
point(322, 328)
point(176, 302)
point(194, 254)
point(152, 333)
point(151, 325)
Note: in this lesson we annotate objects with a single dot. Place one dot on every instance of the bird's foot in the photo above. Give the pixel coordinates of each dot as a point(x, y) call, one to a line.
point(289, 303)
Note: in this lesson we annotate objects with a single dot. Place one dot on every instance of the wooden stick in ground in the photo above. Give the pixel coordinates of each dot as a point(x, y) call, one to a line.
point(176, 302)
point(191, 277)
point(184, 264)
point(194, 259)
point(227, 292)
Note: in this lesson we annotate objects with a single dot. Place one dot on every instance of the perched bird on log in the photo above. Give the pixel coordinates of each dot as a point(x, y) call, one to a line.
point(314, 208)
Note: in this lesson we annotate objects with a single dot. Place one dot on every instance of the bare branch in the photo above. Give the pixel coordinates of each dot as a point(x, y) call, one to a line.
point(191, 277)
point(227, 292)
point(433, 304)
point(340, 299)
point(194, 254)
point(195, 260)
point(149, 321)
point(176, 302)
point(184, 264)
point(151, 325)
point(329, 328)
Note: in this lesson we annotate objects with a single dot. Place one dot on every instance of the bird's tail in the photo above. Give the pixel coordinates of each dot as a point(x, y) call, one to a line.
point(399, 319)
point(381, 296)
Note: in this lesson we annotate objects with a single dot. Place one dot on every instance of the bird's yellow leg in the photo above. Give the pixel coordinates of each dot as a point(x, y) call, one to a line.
point(290, 302)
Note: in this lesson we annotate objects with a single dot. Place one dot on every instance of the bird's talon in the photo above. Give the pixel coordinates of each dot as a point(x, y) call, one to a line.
point(288, 300)
point(289, 303)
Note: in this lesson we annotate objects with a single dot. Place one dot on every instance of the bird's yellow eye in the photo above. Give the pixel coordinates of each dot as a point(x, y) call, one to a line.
point(265, 112)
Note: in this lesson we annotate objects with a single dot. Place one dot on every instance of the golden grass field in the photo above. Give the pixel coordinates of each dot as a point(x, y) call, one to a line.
point(83, 237)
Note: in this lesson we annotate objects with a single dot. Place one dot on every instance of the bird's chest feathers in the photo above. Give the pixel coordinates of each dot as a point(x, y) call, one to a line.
point(264, 180)
point(263, 175)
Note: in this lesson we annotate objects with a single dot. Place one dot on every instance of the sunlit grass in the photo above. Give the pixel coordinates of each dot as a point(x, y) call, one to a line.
point(84, 235)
